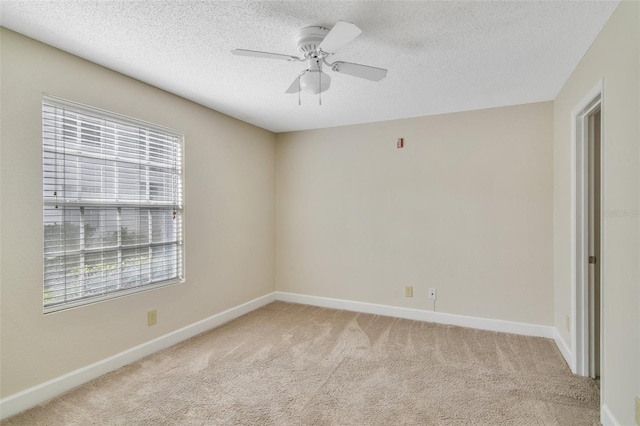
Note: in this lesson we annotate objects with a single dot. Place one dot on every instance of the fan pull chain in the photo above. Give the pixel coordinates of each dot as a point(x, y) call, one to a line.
point(299, 89)
point(320, 84)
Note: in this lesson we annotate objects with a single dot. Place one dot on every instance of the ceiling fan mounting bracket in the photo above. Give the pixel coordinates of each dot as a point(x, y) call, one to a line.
point(334, 66)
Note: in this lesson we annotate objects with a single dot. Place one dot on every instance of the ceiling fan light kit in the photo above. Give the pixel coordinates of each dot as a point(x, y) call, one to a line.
point(315, 81)
point(315, 44)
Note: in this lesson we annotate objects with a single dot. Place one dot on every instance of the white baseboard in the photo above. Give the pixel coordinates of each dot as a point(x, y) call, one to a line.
point(564, 348)
point(606, 416)
point(33, 396)
point(421, 315)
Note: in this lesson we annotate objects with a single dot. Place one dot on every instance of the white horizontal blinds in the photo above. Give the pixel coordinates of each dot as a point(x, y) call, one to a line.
point(112, 204)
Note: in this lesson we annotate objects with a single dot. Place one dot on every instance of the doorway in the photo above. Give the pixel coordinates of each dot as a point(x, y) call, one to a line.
point(593, 237)
point(587, 236)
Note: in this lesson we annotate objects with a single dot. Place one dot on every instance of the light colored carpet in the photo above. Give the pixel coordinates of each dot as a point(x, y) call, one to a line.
point(289, 364)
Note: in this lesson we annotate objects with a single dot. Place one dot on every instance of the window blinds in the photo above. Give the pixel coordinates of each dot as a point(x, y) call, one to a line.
point(112, 204)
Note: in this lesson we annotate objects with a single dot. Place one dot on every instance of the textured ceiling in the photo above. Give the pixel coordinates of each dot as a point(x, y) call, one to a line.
point(441, 56)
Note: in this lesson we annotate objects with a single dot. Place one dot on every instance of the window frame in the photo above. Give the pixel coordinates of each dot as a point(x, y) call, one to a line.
point(118, 205)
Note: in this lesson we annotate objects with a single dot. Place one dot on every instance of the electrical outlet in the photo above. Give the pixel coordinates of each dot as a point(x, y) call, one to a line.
point(152, 317)
point(432, 294)
point(568, 323)
point(408, 291)
point(637, 411)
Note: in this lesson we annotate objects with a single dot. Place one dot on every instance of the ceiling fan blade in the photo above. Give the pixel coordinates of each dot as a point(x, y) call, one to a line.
point(255, 53)
point(339, 36)
point(357, 70)
point(295, 86)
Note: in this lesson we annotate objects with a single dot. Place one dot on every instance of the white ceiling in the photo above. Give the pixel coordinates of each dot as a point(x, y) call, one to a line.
point(441, 56)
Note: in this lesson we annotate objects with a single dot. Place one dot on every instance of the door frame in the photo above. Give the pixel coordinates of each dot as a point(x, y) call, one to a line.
point(579, 230)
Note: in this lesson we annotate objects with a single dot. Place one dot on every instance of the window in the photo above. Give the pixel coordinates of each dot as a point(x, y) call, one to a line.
point(112, 205)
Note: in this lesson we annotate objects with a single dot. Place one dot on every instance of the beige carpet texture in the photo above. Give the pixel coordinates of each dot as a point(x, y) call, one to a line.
point(290, 364)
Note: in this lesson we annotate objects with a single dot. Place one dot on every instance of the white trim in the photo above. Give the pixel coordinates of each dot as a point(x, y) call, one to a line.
point(606, 416)
point(35, 395)
point(421, 315)
point(579, 289)
point(563, 347)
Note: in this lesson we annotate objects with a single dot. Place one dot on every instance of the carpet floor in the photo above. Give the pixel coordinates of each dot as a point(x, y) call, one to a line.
point(290, 364)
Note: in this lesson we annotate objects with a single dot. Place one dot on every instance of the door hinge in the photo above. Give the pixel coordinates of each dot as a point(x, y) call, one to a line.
point(592, 259)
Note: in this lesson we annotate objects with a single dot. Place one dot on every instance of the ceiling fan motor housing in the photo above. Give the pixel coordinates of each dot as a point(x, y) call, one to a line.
point(309, 38)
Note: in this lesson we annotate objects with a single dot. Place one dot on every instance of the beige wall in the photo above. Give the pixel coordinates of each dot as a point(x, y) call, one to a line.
point(614, 58)
point(465, 207)
point(229, 217)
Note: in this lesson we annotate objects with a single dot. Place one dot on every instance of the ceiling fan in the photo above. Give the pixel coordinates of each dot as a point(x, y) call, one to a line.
point(316, 44)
